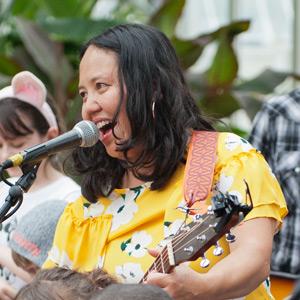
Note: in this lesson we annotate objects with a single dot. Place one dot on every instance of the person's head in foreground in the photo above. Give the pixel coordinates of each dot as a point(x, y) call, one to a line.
point(62, 283)
point(132, 292)
point(32, 239)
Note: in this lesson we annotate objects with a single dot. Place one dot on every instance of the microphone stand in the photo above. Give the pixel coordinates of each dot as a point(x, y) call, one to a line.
point(15, 194)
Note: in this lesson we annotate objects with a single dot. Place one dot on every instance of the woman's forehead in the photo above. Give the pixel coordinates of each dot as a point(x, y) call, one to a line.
point(97, 63)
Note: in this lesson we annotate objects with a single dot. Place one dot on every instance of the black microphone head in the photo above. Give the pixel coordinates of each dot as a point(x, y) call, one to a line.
point(89, 133)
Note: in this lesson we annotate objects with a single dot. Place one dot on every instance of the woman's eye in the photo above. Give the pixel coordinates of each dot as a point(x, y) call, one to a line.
point(82, 94)
point(100, 85)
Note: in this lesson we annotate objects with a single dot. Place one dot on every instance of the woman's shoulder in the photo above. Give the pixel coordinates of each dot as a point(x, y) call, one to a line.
point(75, 209)
point(230, 145)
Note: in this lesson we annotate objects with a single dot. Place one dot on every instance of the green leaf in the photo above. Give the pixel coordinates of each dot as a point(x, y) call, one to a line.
point(69, 8)
point(232, 29)
point(219, 104)
point(188, 51)
point(167, 16)
point(8, 66)
point(224, 68)
point(76, 30)
point(47, 54)
point(24, 8)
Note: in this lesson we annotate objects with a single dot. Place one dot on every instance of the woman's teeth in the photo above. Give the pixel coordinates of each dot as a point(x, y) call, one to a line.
point(104, 126)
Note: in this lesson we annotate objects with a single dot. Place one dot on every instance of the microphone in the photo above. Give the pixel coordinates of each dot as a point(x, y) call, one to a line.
point(84, 134)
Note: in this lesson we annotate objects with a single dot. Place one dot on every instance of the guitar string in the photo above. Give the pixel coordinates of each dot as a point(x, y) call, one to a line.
point(163, 256)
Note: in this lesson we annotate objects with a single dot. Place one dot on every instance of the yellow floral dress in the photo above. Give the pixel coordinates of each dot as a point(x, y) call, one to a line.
point(115, 232)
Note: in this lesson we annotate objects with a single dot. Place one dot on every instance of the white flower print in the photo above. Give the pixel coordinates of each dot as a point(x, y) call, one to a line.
point(123, 207)
point(137, 245)
point(171, 229)
point(232, 141)
point(92, 210)
point(60, 258)
point(224, 184)
point(130, 272)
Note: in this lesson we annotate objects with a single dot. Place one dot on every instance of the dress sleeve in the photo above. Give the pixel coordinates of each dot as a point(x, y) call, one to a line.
point(80, 237)
point(238, 163)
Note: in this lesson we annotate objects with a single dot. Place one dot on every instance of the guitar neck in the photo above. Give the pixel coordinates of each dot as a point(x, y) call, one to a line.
point(195, 238)
point(161, 264)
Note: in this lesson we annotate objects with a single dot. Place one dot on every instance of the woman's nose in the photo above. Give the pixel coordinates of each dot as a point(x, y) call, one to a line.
point(91, 106)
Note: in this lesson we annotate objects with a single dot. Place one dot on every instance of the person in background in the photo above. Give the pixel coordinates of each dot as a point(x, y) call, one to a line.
point(62, 283)
point(276, 133)
point(133, 89)
point(26, 119)
point(33, 236)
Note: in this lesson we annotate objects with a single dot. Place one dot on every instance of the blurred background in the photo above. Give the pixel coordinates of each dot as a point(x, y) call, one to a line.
point(235, 53)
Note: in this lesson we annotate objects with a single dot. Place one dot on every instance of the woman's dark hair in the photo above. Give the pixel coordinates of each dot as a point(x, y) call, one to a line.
point(150, 70)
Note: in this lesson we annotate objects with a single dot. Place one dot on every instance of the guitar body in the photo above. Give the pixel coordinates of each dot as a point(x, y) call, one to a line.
point(281, 287)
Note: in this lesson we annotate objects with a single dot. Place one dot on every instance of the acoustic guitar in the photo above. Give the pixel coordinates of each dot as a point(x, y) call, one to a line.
point(195, 238)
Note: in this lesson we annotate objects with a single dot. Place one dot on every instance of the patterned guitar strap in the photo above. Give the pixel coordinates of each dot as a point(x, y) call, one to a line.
point(199, 170)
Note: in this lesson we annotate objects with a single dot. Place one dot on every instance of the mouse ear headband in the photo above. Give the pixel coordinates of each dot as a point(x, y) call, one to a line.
point(26, 87)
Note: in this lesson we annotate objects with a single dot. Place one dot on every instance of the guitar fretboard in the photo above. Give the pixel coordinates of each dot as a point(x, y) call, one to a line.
point(161, 264)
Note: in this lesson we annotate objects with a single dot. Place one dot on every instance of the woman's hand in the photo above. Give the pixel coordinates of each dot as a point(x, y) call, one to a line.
point(6, 291)
point(235, 276)
point(181, 284)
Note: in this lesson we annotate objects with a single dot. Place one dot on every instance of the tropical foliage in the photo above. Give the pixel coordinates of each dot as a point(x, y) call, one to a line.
point(45, 37)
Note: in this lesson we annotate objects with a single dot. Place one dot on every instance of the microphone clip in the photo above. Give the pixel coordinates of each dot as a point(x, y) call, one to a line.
point(15, 194)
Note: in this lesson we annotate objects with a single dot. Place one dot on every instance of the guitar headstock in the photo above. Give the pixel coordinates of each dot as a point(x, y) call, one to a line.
point(197, 237)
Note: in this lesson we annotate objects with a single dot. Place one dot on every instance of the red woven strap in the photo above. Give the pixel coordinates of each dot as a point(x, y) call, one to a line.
point(200, 166)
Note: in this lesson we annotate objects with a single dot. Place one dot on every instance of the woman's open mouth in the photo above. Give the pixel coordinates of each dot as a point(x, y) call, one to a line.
point(105, 128)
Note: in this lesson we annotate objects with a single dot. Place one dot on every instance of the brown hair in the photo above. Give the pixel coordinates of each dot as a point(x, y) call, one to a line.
point(24, 263)
point(132, 292)
point(63, 283)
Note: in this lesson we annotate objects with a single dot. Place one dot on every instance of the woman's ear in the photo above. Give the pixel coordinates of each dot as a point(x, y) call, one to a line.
point(52, 133)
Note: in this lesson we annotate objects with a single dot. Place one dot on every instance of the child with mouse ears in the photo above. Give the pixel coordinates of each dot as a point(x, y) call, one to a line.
point(27, 118)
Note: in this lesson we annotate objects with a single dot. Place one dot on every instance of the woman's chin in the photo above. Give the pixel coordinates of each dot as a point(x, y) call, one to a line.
point(112, 152)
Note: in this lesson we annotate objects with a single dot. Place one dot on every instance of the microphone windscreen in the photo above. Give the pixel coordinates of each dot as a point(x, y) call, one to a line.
point(88, 132)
